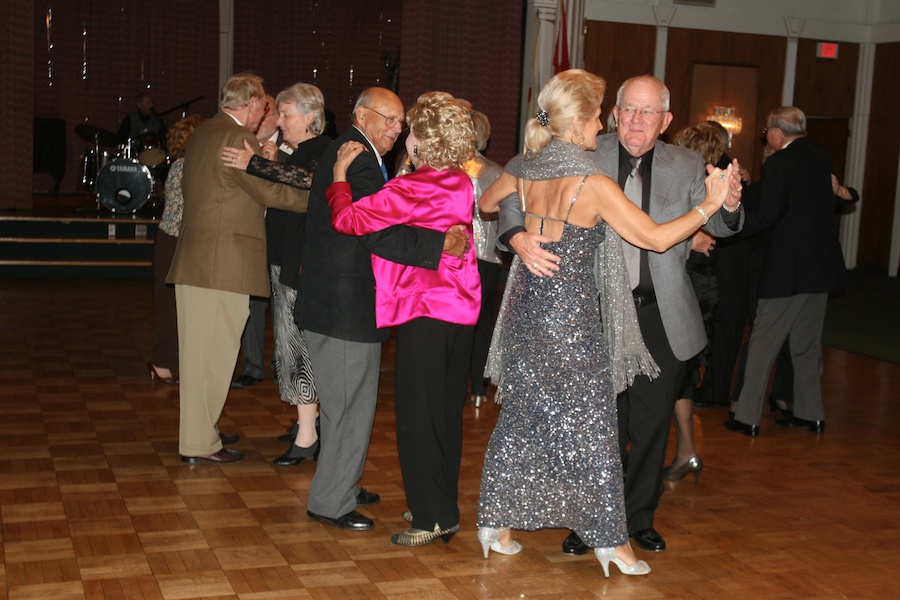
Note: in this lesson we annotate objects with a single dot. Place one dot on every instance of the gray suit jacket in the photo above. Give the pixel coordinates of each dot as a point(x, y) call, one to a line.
point(677, 185)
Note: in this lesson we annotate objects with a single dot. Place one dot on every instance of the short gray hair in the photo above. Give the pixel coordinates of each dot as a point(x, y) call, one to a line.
point(665, 97)
point(308, 99)
point(789, 119)
point(238, 90)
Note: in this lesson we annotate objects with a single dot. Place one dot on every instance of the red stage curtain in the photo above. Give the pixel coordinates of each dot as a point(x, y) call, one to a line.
point(106, 51)
point(17, 47)
point(340, 47)
point(472, 49)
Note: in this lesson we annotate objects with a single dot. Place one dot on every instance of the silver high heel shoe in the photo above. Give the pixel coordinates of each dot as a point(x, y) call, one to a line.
point(478, 401)
point(490, 540)
point(608, 555)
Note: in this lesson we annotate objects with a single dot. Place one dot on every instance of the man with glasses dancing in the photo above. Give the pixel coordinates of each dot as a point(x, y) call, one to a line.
point(665, 181)
point(336, 309)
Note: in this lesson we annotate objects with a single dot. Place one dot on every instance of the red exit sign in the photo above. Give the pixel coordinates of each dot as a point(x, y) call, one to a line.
point(826, 50)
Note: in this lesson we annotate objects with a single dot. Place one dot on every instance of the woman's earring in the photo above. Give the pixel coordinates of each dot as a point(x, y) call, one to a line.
point(416, 151)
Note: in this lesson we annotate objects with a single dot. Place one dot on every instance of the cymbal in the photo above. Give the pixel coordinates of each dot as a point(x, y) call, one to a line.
point(90, 133)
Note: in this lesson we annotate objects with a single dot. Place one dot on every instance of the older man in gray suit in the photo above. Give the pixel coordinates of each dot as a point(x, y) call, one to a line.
point(665, 181)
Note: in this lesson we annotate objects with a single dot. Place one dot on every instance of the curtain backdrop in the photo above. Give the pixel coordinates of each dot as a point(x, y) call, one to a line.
point(16, 69)
point(340, 47)
point(106, 51)
point(472, 49)
point(84, 61)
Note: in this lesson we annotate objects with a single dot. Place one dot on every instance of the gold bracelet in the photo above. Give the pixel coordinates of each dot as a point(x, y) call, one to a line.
point(702, 212)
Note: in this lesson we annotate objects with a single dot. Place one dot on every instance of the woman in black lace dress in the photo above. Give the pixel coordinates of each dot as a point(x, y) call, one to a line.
point(301, 119)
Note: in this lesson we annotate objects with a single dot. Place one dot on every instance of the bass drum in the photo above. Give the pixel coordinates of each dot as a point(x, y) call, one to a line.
point(124, 185)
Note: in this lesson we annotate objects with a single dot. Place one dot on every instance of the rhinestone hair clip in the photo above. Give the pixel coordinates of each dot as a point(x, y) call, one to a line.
point(542, 117)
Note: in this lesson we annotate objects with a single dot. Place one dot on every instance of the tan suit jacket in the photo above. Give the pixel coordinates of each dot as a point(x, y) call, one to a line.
point(222, 244)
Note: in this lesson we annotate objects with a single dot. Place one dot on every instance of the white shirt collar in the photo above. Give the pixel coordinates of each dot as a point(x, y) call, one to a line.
point(377, 156)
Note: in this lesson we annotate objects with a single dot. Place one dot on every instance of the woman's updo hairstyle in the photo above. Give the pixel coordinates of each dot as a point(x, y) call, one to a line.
point(570, 94)
point(444, 127)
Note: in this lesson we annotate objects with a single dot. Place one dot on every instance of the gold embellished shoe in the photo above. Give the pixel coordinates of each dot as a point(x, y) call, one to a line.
point(407, 516)
point(420, 537)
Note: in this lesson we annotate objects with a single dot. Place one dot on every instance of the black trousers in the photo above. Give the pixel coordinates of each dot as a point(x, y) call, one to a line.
point(489, 273)
point(732, 313)
point(165, 337)
point(432, 363)
point(645, 411)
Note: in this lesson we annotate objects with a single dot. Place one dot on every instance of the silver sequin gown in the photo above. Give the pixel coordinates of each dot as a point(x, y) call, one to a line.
point(553, 459)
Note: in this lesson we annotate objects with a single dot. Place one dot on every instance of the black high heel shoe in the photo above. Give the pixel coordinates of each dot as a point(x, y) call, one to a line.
point(296, 455)
point(692, 465)
point(154, 375)
point(291, 435)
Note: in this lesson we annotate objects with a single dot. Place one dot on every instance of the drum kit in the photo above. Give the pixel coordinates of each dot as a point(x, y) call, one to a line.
point(121, 182)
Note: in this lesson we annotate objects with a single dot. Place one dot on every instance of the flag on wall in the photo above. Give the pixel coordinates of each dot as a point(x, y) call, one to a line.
point(561, 52)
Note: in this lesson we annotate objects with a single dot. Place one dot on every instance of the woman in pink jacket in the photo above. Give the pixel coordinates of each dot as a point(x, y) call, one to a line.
point(434, 310)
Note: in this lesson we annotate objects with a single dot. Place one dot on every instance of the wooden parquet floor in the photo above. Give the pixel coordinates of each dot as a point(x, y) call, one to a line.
point(95, 503)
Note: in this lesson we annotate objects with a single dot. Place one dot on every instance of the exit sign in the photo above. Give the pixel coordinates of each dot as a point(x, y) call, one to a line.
point(826, 50)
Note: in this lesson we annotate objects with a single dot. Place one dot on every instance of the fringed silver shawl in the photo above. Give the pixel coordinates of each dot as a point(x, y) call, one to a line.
point(629, 356)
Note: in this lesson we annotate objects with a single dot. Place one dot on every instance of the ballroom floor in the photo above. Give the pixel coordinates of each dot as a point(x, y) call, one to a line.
point(95, 503)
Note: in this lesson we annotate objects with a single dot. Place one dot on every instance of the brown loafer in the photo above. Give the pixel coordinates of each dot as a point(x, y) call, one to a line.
point(225, 455)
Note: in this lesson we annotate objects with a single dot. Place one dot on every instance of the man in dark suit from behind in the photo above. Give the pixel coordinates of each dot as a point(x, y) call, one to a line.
point(802, 265)
point(336, 309)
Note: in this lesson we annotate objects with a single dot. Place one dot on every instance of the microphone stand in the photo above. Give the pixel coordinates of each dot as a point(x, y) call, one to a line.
point(183, 106)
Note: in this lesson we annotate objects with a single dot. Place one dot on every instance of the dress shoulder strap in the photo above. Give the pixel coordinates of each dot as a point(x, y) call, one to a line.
point(575, 197)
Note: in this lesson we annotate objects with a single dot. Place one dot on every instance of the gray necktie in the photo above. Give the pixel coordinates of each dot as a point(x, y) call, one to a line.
point(634, 190)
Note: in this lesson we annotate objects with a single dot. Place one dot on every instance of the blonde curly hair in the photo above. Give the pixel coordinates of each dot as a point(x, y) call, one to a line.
point(704, 139)
point(443, 125)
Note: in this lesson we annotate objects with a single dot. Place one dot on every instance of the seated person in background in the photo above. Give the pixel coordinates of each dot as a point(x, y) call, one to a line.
point(142, 120)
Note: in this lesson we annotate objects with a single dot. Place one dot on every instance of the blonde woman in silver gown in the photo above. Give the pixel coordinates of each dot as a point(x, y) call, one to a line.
point(553, 459)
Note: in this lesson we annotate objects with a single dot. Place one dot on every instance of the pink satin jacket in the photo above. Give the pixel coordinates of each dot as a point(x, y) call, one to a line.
point(425, 198)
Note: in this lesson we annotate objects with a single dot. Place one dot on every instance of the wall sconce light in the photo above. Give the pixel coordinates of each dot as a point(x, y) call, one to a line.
point(724, 115)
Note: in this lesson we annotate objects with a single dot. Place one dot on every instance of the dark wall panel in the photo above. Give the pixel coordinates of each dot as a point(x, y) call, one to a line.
point(603, 54)
point(687, 47)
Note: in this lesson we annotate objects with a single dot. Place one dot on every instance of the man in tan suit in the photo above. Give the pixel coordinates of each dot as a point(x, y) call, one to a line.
point(220, 261)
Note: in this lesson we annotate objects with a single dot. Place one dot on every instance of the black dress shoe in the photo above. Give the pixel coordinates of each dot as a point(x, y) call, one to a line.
point(229, 438)
point(574, 545)
point(735, 425)
point(364, 498)
point(352, 520)
point(797, 423)
point(649, 540)
point(296, 455)
point(291, 435)
point(245, 381)
point(222, 456)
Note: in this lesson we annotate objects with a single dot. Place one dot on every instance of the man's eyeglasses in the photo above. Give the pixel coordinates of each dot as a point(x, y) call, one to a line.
point(646, 113)
point(389, 121)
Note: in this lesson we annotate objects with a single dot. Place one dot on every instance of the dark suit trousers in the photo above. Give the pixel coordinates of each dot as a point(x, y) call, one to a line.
point(645, 412)
point(731, 316)
point(489, 273)
point(253, 340)
point(165, 337)
point(429, 391)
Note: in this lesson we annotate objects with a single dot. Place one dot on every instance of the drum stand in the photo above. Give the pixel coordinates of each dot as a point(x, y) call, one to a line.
point(93, 190)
